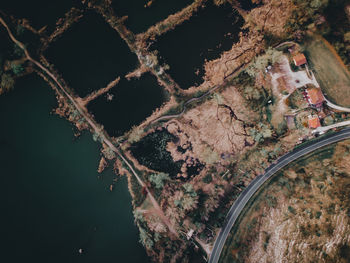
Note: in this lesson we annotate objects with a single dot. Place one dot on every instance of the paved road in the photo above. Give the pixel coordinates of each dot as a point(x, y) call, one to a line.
point(339, 108)
point(323, 129)
point(244, 197)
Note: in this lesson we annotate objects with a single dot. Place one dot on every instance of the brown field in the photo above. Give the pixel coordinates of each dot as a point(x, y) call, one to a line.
point(330, 71)
point(302, 215)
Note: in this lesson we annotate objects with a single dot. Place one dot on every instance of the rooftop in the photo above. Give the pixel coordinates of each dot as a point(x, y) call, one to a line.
point(299, 59)
point(314, 122)
point(315, 96)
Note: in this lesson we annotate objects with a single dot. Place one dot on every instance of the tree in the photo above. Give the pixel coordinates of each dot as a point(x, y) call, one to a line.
point(347, 37)
point(316, 4)
point(135, 134)
point(138, 215)
point(207, 179)
point(7, 83)
point(219, 2)
point(186, 200)
point(18, 51)
point(159, 179)
point(304, 13)
point(260, 63)
point(17, 68)
point(189, 202)
point(20, 30)
point(145, 239)
point(189, 189)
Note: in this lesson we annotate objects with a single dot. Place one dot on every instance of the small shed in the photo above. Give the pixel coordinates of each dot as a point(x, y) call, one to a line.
point(299, 59)
point(314, 122)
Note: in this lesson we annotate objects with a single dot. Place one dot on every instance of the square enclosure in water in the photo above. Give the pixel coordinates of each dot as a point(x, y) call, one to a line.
point(38, 12)
point(141, 16)
point(206, 35)
point(132, 102)
point(90, 55)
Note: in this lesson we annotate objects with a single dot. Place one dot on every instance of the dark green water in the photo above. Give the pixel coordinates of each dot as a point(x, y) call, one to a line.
point(140, 18)
point(248, 4)
point(52, 201)
point(90, 55)
point(5, 44)
point(133, 101)
point(338, 25)
point(151, 151)
point(39, 12)
point(205, 36)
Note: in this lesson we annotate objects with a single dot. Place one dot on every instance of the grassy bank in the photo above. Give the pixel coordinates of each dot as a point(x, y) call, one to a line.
point(330, 71)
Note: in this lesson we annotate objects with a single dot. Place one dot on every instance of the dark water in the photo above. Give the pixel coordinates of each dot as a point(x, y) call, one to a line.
point(151, 152)
point(39, 12)
point(133, 101)
point(248, 4)
point(52, 201)
point(339, 24)
point(337, 18)
point(202, 37)
point(90, 55)
point(5, 43)
point(140, 18)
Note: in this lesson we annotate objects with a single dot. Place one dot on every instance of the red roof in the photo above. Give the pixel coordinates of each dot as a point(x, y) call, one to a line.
point(314, 122)
point(315, 96)
point(299, 59)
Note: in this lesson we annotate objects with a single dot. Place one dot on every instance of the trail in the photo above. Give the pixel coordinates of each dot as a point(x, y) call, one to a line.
point(172, 116)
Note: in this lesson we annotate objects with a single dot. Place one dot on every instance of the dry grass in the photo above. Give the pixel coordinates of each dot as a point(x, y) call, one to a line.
point(300, 216)
point(211, 130)
point(330, 71)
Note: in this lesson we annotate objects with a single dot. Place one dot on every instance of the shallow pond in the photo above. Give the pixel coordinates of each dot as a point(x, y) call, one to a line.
point(90, 55)
point(248, 4)
point(204, 37)
point(151, 152)
point(39, 12)
point(141, 17)
point(132, 102)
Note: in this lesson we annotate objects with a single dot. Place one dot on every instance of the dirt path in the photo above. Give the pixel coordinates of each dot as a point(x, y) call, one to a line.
point(92, 124)
point(95, 94)
point(173, 116)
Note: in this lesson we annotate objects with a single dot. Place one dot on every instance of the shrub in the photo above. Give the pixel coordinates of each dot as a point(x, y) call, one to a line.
point(7, 83)
point(159, 179)
point(261, 62)
point(291, 210)
point(17, 69)
point(207, 179)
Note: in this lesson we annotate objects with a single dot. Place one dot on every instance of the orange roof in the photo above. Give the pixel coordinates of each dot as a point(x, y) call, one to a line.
point(299, 59)
point(314, 122)
point(315, 96)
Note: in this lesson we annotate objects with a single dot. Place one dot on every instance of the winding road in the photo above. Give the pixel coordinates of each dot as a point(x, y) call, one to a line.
point(282, 162)
point(336, 107)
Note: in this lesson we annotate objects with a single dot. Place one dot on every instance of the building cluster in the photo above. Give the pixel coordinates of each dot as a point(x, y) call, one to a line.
point(312, 95)
point(315, 98)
